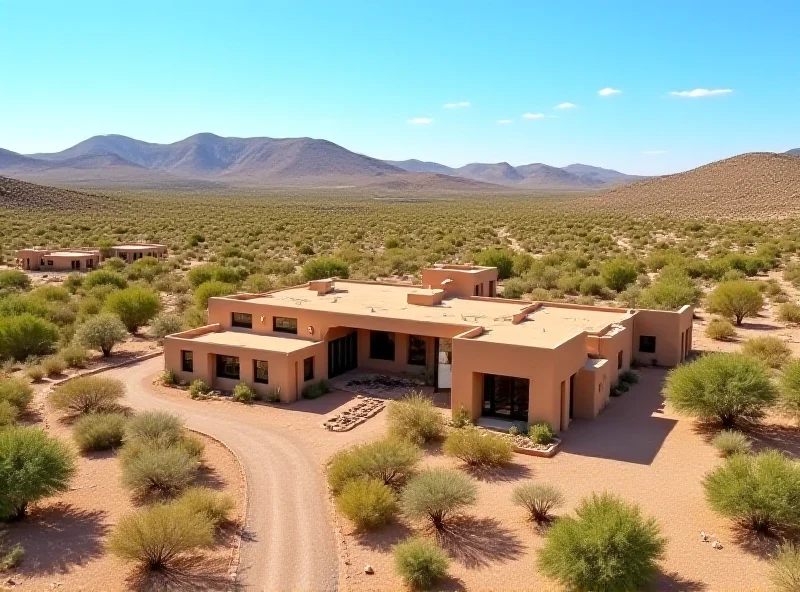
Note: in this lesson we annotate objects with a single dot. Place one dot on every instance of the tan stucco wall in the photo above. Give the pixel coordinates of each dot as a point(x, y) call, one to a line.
point(668, 329)
point(60, 262)
point(462, 282)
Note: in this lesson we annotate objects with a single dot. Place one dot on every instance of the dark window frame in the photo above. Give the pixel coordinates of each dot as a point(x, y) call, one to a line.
point(414, 352)
point(286, 329)
point(647, 344)
point(619, 360)
point(382, 345)
point(308, 369)
point(222, 367)
point(245, 322)
point(256, 367)
point(187, 362)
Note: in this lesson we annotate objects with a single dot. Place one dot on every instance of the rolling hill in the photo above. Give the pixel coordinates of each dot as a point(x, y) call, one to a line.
point(19, 195)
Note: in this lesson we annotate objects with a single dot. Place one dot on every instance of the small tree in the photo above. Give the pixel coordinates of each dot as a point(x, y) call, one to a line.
point(762, 491)
point(721, 387)
point(325, 267)
point(420, 563)
point(33, 466)
point(135, 306)
point(415, 418)
point(102, 332)
point(607, 547)
point(737, 299)
point(87, 394)
point(539, 499)
point(502, 259)
point(26, 335)
point(436, 494)
point(789, 401)
point(618, 274)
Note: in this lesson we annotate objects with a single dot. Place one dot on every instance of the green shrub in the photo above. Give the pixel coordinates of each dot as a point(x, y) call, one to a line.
point(436, 494)
point(316, 389)
point(721, 387)
point(258, 283)
point(35, 372)
point(16, 392)
point(169, 378)
point(104, 277)
point(785, 568)
point(155, 538)
point(53, 365)
point(101, 332)
point(730, 442)
point(592, 286)
point(157, 471)
point(135, 306)
point(618, 273)
point(720, 330)
point(461, 418)
point(789, 400)
point(761, 491)
point(629, 377)
point(420, 563)
point(391, 461)
point(672, 289)
point(514, 288)
point(99, 431)
point(14, 279)
point(737, 299)
point(368, 503)
point(203, 274)
point(8, 414)
point(325, 267)
point(25, 335)
point(538, 499)
point(198, 389)
point(166, 323)
point(789, 312)
point(772, 351)
point(478, 448)
point(209, 290)
point(215, 507)
point(541, 433)
point(74, 356)
point(154, 428)
point(502, 259)
point(192, 445)
point(87, 394)
point(11, 559)
point(415, 418)
point(33, 466)
point(607, 547)
point(243, 393)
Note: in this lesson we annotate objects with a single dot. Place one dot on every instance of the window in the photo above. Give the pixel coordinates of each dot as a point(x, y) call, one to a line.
point(478, 289)
point(647, 344)
point(49, 261)
point(242, 319)
point(308, 368)
point(416, 350)
point(284, 325)
point(89, 263)
point(228, 367)
point(187, 361)
point(260, 371)
point(619, 360)
point(381, 345)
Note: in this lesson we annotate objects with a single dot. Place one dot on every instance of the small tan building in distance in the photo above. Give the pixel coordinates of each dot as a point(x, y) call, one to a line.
point(508, 359)
point(58, 259)
point(130, 252)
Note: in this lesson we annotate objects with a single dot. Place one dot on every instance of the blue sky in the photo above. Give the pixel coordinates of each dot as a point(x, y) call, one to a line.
point(358, 73)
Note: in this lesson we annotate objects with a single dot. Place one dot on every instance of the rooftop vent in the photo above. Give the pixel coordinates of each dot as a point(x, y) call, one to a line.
point(321, 287)
point(425, 297)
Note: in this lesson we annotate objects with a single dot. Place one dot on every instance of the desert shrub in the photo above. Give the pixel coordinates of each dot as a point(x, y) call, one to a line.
point(762, 491)
point(316, 389)
point(730, 442)
point(720, 330)
point(672, 289)
point(135, 306)
point(789, 312)
point(420, 563)
point(169, 378)
point(789, 399)
point(461, 418)
point(415, 418)
point(11, 558)
point(368, 503)
point(618, 273)
point(769, 350)
point(99, 431)
point(607, 547)
point(16, 392)
point(53, 365)
point(785, 568)
point(629, 377)
point(165, 323)
point(199, 389)
point(26, 335)
point(737, 299)
point(215, 507)
point(721, 387)
point(538, 499)
point(541, 433)
point(391, 461)
point(243, 393)
point(214, 273)
point(157, 471)
point(209, 290)
point(73, 282)
point(33, 466)
point(104, 277)
point(14, 279)
point(74, 356)
point(158, 536)
point(502, 259)
point(258, 283)
point(325, 267)
point(154, 428)
point(8, 414)
point(515, 288)
point(592, 286)
point(101, 332)
point(477, 448)
point(35, 372)
point(437, 494)
point(87, 394)
point(192, 445)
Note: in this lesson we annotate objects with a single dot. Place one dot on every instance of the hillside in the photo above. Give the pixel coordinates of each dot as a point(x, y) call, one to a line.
point(749, 186)
point(794, 152)
point(18, 195)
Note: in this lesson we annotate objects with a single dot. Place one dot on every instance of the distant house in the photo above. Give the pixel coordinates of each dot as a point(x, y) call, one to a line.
point(77, 259)
point(130, 252)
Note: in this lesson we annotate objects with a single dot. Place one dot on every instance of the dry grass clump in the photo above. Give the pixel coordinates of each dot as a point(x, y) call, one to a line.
point(720, 330)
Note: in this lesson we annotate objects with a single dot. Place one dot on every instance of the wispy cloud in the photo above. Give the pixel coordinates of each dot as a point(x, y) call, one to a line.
point(566, 106)
point(609, 92)
point(459, 105)
point(503, 121)
point(420, 121)
point(701, 92)
point(533, 116)
point(653, 152)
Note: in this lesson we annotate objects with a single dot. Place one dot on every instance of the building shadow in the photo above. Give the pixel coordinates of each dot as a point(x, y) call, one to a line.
point(324, 405)
point(479, 542)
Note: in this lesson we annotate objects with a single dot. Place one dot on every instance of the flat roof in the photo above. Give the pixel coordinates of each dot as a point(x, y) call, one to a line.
point(271, 343)
point(137, 247)
point(69, 254)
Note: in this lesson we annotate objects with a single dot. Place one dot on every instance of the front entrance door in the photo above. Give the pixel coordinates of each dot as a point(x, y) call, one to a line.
point(342, 354)
point(506, 397)
point(444, 363)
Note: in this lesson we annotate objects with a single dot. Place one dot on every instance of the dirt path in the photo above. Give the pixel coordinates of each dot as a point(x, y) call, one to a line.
point(288, 542)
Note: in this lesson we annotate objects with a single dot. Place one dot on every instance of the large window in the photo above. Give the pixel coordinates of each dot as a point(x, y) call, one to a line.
point(647, 344)
point(227, 367)
point(284, 325)
point(416, 350)
point(506, 396)
point(381, 345)
point(187, 361)
point(308, 368)
point(260, 371)
point(242, 319)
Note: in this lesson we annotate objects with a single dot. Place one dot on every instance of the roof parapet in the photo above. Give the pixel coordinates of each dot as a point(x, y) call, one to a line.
point(426, 297)
point(322, 287)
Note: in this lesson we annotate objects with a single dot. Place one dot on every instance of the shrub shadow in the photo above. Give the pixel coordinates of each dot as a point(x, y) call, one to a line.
point(667, 581)
point(187, 573)
point(478, 542)
point(781, 437)
point(209, 477)
point(759, 544)
point(384, 539)
point(505, 473)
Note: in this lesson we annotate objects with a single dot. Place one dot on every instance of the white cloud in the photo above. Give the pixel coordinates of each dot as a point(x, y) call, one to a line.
point(504, 121)
point(533, 116)
point(653, 152)
point(459, 105)
point(608, 92)
point(420, 121)
point(701, 92)
point(566, 106)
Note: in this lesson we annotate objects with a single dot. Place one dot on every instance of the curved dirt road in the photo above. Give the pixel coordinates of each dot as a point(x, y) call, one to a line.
point(288, 541)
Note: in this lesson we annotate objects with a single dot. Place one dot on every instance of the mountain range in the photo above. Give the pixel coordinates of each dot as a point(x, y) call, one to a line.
point(207, 160)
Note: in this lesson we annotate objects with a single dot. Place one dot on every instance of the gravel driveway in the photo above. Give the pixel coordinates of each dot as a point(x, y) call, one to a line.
point(288, 542)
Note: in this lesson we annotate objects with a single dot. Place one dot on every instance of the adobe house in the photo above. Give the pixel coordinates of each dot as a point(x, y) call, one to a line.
point(77, 259)
point(130, 252)
point(508, 359)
